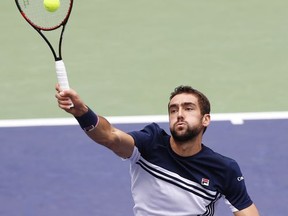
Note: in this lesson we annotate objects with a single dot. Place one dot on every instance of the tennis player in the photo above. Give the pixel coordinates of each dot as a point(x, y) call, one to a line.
point(171, 175)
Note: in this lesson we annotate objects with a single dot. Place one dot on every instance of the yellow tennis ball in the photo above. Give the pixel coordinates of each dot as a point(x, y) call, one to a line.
point(51, 5)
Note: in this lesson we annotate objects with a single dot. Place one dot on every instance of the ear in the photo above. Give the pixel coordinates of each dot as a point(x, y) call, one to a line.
point(206, 120)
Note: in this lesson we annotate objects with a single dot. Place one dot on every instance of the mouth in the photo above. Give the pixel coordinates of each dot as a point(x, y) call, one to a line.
point(180, 125)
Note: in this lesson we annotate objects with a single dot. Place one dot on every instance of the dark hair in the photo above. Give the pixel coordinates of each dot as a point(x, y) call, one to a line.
point(203, 101)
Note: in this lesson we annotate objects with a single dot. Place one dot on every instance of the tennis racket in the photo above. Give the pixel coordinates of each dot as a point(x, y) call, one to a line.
point(34, 12)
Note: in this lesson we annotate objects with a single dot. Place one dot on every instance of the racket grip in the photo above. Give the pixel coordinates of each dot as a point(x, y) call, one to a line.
point(62, 75)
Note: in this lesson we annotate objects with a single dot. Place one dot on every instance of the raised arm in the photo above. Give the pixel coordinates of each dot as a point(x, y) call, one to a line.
point(100, 130)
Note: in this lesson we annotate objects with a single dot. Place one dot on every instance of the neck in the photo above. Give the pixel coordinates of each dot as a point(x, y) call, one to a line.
point(188, 148)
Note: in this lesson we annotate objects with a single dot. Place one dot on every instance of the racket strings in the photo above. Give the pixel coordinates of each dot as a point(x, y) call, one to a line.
point(36, 14)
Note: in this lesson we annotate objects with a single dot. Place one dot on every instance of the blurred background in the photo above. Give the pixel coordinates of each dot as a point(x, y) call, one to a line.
point(125, 57)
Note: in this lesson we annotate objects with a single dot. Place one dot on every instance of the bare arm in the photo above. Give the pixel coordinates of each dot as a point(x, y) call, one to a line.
point(105, 134)
point(249, 211)
point(118, 141)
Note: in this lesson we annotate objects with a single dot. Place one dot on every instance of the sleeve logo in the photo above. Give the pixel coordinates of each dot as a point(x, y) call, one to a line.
point(240, 178)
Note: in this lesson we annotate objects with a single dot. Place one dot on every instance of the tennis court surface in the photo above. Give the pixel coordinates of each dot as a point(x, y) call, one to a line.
point(57, 170)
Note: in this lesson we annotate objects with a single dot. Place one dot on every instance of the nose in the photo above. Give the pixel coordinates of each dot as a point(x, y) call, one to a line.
point(180, 114)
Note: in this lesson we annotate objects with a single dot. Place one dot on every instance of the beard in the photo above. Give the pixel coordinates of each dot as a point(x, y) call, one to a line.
point(187, 135)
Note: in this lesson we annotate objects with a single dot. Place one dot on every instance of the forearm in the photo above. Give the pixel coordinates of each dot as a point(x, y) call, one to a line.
point(96, 127)
point(102, 132)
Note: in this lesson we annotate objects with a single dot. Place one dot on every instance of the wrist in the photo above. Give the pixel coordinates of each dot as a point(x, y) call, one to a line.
point(88, 121)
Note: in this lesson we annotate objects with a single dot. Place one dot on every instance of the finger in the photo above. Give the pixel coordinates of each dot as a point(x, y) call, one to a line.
point(57, 87)
point(60, 98)
point(67, 108)
point(68, 93)
point(64, 102)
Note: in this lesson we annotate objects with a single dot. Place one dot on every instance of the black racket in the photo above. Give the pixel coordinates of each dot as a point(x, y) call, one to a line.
point(43, 20)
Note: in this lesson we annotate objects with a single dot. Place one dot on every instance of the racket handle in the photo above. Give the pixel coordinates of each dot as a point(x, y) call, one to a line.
point(62, 75)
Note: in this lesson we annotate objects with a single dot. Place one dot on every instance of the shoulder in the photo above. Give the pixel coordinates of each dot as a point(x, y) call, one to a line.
point(219, 159)
point(148, 131)
point(153, 128)
point(151, 134)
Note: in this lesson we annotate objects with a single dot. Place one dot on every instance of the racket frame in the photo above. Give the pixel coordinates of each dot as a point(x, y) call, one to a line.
point(61, 73)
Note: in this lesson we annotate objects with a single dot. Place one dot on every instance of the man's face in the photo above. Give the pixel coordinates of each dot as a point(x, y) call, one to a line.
point(185, 118)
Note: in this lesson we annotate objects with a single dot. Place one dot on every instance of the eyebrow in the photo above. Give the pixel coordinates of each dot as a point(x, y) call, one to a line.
point(182, 104)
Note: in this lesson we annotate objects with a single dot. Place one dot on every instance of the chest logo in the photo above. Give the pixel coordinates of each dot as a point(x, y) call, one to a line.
point(205, 181)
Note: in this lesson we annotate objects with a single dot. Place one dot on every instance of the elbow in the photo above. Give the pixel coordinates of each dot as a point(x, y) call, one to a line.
point(110, 143)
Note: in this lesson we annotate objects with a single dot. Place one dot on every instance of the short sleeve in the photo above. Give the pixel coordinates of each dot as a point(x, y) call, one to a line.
point(145, 137)
point(235, 188)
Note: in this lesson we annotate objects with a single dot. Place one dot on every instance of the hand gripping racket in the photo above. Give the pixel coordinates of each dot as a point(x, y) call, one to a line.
point(43, 20)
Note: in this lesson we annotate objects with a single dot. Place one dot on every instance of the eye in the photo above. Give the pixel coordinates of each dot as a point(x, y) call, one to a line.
point(189, 108)
point(173, 110)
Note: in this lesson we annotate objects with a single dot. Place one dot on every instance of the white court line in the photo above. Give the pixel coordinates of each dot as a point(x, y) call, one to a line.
point(234, 118)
